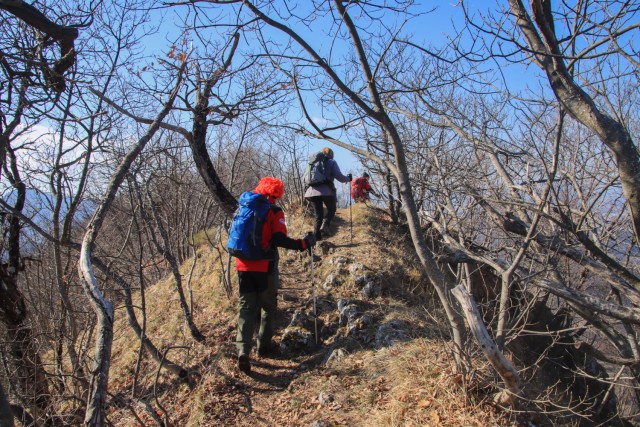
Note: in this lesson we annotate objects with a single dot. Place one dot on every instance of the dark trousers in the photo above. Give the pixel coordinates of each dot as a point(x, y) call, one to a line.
point(318, 202)
point(258, 303)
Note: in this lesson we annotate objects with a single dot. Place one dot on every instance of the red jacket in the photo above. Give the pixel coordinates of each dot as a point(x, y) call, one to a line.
point(360, 189)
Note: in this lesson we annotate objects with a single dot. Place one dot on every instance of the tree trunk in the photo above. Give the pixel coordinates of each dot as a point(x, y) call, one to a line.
point(6, 415)
point(64, 35)
point(31, 376)
point(96, 402)
point(95, 414)
point(167, 253)
point(135, 325)
point(438, 280)
point(578, 103)
point(198, 143)
point(501, 364)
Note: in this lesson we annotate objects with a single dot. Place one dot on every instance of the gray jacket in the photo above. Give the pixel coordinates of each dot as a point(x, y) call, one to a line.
point(333, 171)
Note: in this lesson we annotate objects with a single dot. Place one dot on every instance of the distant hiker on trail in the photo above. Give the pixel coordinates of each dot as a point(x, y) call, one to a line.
point(360, 188)
point(321, 172)
point(257, 230)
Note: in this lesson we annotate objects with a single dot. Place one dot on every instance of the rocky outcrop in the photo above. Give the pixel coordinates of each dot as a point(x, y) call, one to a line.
point(344, 322)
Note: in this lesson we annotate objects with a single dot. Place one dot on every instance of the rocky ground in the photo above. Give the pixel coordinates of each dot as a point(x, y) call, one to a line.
point(381, 357)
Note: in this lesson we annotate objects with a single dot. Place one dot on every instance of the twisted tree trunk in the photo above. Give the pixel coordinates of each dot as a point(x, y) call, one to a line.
point(96, 401)
point(539, 33)
point(500, 363)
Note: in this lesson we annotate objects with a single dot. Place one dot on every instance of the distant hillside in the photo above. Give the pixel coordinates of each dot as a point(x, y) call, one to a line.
point(39, 209)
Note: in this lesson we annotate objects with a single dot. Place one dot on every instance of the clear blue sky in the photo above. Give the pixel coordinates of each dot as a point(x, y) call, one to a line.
point(431, 28)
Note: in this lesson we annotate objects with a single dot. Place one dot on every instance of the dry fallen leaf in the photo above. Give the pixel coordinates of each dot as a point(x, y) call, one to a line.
point(457, 379)
point(424, 403)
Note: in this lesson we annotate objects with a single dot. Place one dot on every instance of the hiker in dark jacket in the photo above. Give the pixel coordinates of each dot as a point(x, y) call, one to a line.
point(259, 280)
point(325, 194)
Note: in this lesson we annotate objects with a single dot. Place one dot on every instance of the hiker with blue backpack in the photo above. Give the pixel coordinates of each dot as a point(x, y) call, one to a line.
point(322, 170)
point(258, 228)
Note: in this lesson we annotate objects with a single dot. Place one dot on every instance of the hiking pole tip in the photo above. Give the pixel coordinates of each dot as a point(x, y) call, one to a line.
point(313, 291)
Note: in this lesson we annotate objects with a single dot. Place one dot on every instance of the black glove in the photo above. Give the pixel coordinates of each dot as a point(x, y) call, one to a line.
point(350, 177)
point(309, 241)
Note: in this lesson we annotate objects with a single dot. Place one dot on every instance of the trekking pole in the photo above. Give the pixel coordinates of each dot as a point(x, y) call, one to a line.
point(350, 220)
point(313, 291)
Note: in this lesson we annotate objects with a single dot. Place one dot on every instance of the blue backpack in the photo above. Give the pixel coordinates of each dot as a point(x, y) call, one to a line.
point(245, 233)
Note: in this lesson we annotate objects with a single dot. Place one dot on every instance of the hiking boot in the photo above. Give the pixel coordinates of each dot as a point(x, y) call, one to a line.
point(243, 363)
point(326, 229)
point(268, 350)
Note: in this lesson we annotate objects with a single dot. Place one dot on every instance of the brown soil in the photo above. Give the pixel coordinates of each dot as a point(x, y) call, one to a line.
point(410, 383)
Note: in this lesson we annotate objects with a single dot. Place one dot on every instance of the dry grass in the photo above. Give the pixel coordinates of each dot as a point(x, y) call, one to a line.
point(412, 384)
point(407, 384)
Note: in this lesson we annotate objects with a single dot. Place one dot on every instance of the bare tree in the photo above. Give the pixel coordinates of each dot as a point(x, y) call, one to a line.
point(54, 162)
point(64, 35)
point(535, 177)
point(197, 137)
point(163, 246)
point(96, 403)
point(364, 106)
point(589, 34)
point(16, 121)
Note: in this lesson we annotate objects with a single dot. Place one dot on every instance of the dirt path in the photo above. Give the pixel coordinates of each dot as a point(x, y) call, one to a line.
point(392, 366)
point(270, 395)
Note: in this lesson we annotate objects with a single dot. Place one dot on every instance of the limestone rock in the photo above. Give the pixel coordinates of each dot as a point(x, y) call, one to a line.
point(392, 332)
point(332, 281)
point(335, 357)
point(298, 336)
